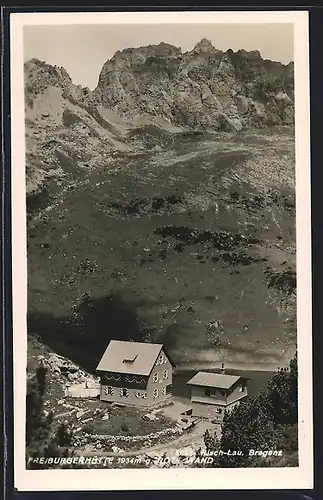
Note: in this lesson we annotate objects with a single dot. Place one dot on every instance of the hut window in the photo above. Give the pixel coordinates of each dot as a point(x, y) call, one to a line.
point(144, 395)
point(155, 377)
point(165, 374)
point(218, 410)
point(124, 393)
point(161, 359)
point(155, 393)
point(108, 391)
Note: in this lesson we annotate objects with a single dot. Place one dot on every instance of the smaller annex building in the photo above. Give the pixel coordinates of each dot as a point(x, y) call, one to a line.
point(135, 373)
point(213, 393)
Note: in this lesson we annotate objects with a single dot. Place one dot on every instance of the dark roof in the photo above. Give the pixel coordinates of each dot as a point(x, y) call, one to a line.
point(207, 379)
point(137, 358)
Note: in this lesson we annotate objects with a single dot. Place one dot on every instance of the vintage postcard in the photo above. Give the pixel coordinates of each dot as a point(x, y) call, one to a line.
point(161, 250)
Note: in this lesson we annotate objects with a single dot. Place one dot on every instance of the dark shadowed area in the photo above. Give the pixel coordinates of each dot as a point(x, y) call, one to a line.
point(84, 336)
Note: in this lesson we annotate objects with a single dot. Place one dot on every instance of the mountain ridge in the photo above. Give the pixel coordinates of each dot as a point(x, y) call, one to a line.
point(201, 89)
point(157, 87)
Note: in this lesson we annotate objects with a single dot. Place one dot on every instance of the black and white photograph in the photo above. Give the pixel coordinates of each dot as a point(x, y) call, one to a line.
point(161, 239)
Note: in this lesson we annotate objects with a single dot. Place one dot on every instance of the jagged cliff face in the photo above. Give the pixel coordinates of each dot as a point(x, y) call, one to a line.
point(201, 89)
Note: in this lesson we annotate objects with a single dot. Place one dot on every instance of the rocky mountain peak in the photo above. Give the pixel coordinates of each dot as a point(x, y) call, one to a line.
point(159, 50)
point(35, 65)
point(252, 54)
point(197, 90)
point(204, 45)
point(40, 75)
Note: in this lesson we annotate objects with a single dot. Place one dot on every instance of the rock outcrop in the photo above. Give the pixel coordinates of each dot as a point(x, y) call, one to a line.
point(201, 89)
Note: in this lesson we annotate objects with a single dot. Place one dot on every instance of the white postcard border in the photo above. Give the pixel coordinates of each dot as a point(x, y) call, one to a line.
point(141, 479)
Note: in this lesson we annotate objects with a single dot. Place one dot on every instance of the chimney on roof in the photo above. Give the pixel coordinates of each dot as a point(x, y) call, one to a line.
point(130, 360)
point(222, 369)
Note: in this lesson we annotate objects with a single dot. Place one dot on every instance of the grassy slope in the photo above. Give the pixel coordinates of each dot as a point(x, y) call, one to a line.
point(96, 236)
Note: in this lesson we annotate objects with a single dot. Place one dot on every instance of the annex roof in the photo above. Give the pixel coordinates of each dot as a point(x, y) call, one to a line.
point(219, 380)
point(137, 358)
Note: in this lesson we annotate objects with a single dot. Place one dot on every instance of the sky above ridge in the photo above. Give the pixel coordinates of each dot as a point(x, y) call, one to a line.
point(83, 49)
